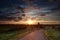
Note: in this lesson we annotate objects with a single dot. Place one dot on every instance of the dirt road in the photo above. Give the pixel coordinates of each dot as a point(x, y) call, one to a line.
point(36, 35)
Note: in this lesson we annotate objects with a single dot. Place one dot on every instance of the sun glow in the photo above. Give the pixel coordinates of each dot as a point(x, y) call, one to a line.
point(30, 22)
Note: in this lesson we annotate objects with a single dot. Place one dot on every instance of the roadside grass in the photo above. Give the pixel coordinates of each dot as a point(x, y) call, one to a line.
point(21, 35)
point(52, 34)
point(14, 35)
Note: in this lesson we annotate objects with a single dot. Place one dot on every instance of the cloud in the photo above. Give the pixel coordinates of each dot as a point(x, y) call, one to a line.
point(54, 15)
point(34, 10)
point(11, 13)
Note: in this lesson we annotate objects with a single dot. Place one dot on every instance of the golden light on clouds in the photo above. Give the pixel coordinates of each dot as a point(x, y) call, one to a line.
point(30, 22)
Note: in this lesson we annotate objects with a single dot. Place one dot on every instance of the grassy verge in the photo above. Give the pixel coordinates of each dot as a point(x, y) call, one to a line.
point(14, 35)
point(53, 34)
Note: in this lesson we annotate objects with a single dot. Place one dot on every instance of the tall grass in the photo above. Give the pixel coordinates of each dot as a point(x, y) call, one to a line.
point(53, 34)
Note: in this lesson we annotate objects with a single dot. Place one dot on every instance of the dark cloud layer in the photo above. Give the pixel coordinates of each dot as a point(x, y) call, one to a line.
point(14, 9)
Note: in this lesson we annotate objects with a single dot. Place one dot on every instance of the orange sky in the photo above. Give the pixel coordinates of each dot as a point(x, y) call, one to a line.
point(34, 22)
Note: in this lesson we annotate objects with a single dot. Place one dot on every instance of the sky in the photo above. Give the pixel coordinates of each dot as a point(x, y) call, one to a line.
point(47, 10)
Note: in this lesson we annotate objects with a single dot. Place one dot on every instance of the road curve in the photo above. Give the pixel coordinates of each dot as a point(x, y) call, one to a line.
point(36, 35)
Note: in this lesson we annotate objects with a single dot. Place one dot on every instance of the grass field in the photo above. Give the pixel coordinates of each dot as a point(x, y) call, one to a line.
point(15, 32)
point(53, 34)
point(13, 35)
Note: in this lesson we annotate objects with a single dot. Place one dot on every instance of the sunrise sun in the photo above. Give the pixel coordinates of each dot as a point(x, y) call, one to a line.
point(30, 22)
